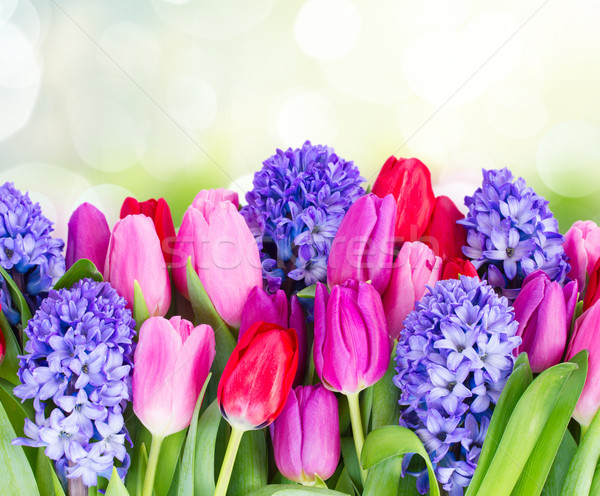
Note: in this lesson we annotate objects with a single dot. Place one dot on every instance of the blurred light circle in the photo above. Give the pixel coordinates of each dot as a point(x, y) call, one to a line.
point(518, 119)
point(106, 197)
point(191, 101)
point(568, 159)
point(327, 29)
point(19, 63)
point(27, 19)
point(7, 9)
point(440, 13)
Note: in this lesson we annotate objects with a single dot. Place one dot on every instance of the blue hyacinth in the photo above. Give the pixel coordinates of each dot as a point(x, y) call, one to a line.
point(29, 253)
point(511, 232)
point(79, 361)
point(453, 359)
point(299, 199)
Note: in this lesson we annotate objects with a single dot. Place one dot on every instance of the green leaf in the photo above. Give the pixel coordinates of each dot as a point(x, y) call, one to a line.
point(250, 467)
point(143, 465)
point(287, 490)
point(366, 405)
point(167, 461)
point(560, 467)
point(79, 270)
point(116, 486)
point(395, 441)
point(344, 483)
point(17, 412)
point(595, 487)
point(408, 486)
point(386, 410)
point(517, 383)
point(17, 298)
point(48, 483)
point(140, 309)
point(15, 472)
point(142, 438)
point(384, 477)
point(538, 465)
point(351, 462)
point(188, 463)
point(523, 430)
point(308, 292)
point(10, 365)
point(204, 462)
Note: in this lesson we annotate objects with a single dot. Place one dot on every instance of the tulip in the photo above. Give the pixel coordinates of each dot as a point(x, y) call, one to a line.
point(224, 254)
point(585, 337)
point(415, 268)
point(445, 237)
point(215, 196)
point(88, 236)
point(456, 267)
point(273, 308)
point(134, 254)
point(592, 292)
point(306, 435)
point(363, 246)
point(544, 311)
point(172, 361)
point(409, 180)
point(160, 213)
point(582, 246)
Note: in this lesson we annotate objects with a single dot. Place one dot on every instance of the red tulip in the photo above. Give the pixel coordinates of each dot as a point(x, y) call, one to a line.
point(456, 267)
point(409, 181)
point(160, 213)
point(258, 376)
point(445, 237)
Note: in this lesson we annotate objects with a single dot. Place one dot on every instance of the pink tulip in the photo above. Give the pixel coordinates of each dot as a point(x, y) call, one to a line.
point(363, 248)
point(415, 267)
point(224, 254)
point(88, 236)
point(134, 254)
point(171, 363)
point(215, 196)
point(582, 246)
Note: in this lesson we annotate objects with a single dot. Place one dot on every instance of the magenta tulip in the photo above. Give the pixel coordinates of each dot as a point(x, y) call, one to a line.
point(88, 236)
point(215, 196)
point(134, 254)
point(351, 346)
point(306, 435)
point(171, 363)
point(544, 311)
point(363, 248)
point(223, 253)
point(582, 246)
point(415, 268)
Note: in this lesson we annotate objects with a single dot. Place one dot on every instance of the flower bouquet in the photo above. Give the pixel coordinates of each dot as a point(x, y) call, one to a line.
point(319, 339)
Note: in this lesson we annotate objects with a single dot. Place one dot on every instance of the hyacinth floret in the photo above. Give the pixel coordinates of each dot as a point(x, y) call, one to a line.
point(297, 203)
point(511, 232)
point(78, 361)
point(28, 252)
point(453, 358)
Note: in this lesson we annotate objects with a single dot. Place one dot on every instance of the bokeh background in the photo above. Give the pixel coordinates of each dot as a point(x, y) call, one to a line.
point(104, 99)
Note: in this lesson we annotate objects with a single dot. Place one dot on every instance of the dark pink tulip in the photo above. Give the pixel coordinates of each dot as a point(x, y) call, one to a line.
point(306, 435)
point(363, 248)
point(352, 346)
point(88, 236)
point(582, 246)
point(415, 268)
point(544, 311)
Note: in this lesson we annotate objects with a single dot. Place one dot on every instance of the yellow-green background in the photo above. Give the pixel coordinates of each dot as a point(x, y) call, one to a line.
point(101, 99)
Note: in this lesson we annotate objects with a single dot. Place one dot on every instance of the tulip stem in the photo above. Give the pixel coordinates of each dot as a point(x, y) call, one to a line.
point(152, 463)
point(357, 429)
point(228, 461)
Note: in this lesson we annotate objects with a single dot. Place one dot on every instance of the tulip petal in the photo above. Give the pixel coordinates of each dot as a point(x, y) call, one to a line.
point(286, 433)
point(88, 236)
point(445, 237)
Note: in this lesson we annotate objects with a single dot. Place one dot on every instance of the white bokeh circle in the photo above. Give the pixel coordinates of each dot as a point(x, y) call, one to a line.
point(191, 101)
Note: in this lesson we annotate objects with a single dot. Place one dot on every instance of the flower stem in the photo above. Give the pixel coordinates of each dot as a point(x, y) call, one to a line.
point(228, 461)
point(357, 429)
point(152, 463)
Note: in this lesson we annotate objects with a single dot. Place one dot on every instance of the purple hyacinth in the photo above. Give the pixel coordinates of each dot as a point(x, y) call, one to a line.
point(453, 359)
point(299, 199)
point(29, 253)
point(511, 232)
point(79, 361)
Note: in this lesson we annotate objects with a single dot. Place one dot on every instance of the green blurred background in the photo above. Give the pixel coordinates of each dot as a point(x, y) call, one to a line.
point(100, 100)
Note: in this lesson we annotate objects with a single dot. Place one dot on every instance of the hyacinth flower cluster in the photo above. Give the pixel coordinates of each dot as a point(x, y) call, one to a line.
point(29, 253)
point(298, 201)
point(511, 233)
point(454, 356)
point(78, 363)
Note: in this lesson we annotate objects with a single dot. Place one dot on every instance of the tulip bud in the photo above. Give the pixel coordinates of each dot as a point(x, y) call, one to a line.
point(171, 363)
point(409, 181)
point(544, 311)
point(306, 435)
point(88, 236)
point(160, 213)
point(216, 195)
point(273, 308)
point(134, 254)
point(351, 347)
point(415, 268)
point(592, 292)
point(258, 376)
point(224, 254)
point(363, 246)
point(456, 267)
point(585, 337)
point(443, 235)
point(582, 246)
